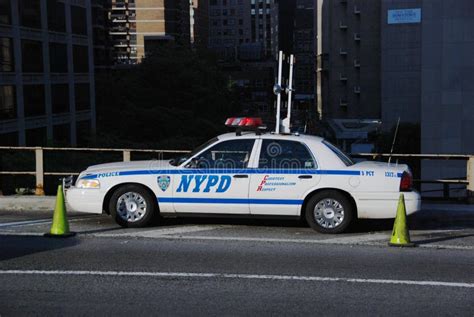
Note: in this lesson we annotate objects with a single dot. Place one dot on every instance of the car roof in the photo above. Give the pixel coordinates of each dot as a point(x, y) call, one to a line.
point(267, 135)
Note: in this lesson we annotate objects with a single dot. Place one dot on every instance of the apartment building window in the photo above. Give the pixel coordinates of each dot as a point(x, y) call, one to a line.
point(35, 137)
point(58, 57)
point(213, 2)
point(82, 97)
point(79, 20)
point(9, 139)
point(32, 56)
point(5, 12)
point(60, 98)
point(30, 13)
point(33, 99)
point(61, 134)
point(7, 102)
point(6, 55)
point(56, 16)
point(80, 58)
point(99, 57)
point(83, 134)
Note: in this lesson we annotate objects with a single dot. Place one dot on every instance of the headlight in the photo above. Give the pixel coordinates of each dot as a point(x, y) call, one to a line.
point(88, 183)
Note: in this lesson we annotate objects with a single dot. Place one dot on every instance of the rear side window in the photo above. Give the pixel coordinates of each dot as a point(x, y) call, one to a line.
point(283, 154)
point(344, 157)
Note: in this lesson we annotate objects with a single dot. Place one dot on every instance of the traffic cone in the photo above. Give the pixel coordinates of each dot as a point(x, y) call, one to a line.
point(60, 226)
point(400, 235)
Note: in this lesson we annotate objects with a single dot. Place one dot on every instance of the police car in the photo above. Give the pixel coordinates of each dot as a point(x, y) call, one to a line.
point(248, 173)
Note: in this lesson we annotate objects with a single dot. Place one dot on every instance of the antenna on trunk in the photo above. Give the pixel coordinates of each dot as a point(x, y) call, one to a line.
point(394, 140)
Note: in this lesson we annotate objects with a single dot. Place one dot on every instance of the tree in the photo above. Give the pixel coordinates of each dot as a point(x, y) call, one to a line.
point(176, 98)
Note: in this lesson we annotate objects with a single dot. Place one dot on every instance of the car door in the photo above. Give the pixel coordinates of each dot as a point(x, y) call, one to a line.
point(286, 170)
point(215, 180)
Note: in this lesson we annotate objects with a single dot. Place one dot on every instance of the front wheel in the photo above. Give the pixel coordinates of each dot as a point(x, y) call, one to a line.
point(329, 211)
point(132, 206)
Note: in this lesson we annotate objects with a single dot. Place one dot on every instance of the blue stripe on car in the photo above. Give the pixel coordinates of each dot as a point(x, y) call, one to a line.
point(181, 200)
point(229, 171)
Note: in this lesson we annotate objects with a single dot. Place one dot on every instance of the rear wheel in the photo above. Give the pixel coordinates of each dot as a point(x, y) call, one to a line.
point(329, 211)
point(132, 206)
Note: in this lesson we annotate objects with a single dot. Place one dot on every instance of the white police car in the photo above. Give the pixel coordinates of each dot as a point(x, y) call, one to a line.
point(252, 174)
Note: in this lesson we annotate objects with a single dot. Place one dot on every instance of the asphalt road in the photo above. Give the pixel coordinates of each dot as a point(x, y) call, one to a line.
point(222, 267)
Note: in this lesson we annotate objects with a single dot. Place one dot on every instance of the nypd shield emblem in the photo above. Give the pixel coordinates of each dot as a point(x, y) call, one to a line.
point(163, 182)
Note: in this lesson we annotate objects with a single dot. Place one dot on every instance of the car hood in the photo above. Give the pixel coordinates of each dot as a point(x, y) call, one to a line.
point(127, 166)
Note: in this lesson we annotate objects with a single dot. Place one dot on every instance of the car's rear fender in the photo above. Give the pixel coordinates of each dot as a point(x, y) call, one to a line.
point(314, 192)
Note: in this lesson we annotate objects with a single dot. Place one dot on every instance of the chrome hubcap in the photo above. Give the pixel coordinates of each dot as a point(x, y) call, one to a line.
point(131, 207)
point(328, 213)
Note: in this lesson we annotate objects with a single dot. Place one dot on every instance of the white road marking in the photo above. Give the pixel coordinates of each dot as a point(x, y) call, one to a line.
point(24, 223)
point(346, 240)
point(40, 221)
point(239, 276)
point(157, 233)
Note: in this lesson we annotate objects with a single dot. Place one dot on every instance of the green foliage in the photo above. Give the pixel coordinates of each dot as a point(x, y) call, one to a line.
point(176, 98)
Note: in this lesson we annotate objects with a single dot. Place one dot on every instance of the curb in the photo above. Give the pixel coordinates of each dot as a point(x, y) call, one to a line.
point(27, 203)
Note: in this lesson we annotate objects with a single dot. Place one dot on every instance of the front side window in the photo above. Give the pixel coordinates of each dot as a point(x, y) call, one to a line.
point(231, 154)
point(283, 154)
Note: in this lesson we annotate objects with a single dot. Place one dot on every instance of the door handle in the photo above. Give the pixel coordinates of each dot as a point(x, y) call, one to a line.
point(241, 176)
point(305, 176)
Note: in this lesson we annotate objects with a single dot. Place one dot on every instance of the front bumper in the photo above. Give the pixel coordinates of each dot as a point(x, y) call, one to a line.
point(85, 200)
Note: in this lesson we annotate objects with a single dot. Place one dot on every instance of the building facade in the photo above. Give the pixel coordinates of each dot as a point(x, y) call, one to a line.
point(428, 78)
point(46, 72)
point(243, 30)
point(100, 34)
point(140, 26)
point(200, 23)
point(304, 48)
point(400, 65)
point(348, 59)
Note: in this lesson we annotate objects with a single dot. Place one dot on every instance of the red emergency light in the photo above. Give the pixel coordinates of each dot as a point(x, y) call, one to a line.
point(243, 122)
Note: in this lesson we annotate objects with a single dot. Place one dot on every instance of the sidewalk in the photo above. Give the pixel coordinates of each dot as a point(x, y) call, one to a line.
point(42, 203)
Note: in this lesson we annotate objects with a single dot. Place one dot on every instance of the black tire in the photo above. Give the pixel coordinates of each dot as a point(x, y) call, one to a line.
point(136, 195)
point(328, 220)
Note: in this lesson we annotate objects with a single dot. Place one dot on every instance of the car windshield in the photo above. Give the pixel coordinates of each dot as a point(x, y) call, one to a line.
point(343, 156)
point(183, 158)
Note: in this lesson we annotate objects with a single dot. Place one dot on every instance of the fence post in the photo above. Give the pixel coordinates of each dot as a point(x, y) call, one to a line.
point(126, 155)
point(470, 180)
point(39, 172)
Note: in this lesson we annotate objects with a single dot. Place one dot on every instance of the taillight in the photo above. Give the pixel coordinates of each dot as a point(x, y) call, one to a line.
point(406, 183)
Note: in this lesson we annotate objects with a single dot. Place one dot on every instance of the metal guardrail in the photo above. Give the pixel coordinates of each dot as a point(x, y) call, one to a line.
point(39, 172)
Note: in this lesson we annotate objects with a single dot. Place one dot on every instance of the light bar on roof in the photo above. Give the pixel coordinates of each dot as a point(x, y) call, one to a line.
point(240, 122)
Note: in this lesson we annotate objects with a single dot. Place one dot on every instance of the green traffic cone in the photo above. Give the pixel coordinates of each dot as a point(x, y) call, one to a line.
point(60, 225)
point(400, 235)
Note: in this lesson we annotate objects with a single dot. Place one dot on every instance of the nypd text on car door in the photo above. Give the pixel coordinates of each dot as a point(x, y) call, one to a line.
point(215, 180)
